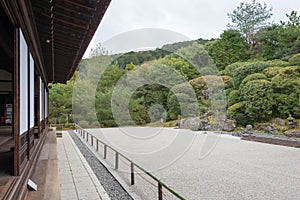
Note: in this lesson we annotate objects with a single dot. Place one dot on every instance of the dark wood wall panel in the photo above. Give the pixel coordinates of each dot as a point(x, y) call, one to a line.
point(23, 150)
point(31, 141)
point(42, 125)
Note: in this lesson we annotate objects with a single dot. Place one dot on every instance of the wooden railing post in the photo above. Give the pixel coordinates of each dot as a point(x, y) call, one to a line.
point(117, 161)
point(159, 191)
point(97, 145)
point(132, 173)
point(105, 150)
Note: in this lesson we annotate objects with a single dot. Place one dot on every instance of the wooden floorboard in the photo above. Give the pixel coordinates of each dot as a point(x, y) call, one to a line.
point(46, 172)
point(5, 183)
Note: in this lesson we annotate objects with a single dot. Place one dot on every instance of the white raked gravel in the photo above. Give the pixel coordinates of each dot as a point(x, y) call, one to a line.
point(207, 166)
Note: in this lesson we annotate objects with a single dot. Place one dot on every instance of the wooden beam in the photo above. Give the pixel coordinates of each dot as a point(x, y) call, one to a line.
point(63, 43)
point(70, 29)
point(62, 52)
point(78, 12)
point(67, 35)
point(80, 5)
point(68, 16)
point(58, 20)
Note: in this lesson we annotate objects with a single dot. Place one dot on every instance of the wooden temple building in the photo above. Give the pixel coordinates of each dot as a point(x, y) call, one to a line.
point(41, 42)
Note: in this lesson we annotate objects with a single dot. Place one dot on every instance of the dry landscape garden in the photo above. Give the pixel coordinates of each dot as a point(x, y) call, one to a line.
point(258, 61)
point(195, 114)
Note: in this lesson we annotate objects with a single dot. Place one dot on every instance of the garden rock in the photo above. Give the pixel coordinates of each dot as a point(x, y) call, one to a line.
point(293, 133)
point(229, 125)
point(278, 122)
point(267, 128)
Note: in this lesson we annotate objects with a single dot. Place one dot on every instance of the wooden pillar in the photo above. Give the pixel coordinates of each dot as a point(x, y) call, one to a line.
point(16, 103)
point(39, 106)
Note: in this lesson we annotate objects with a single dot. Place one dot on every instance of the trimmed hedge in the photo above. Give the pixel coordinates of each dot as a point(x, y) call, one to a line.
point(253, 77)
point(295, 59)
point(270, 72)
point(242, 72)
point(233, 97)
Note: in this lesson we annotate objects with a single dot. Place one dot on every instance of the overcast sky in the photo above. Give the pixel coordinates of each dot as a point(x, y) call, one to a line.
point(192, 18)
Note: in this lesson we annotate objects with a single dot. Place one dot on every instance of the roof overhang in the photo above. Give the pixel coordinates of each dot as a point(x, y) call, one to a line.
point(58, 32)
point(65, 29)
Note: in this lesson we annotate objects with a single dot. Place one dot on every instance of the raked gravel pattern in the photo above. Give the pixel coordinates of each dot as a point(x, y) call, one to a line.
point(233, 168)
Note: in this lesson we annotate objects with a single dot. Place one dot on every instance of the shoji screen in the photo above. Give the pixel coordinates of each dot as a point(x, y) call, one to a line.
point(31, 91)
point(41, 99)
point(23, 84)
point(46, 103)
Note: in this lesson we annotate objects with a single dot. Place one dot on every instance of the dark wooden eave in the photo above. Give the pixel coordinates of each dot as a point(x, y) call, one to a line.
point(71, 25)
point(57, 32)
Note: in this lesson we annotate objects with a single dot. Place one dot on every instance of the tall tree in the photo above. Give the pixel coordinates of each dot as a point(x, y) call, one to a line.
point(248, 18)
point(280, 40)
point(60, 101)
point(230, 48)
point(294, 19)
point(98, 51)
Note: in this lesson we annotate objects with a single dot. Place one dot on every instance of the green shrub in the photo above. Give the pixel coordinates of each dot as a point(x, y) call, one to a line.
point(233, 97)
point(227, 82)
point(63, 120)
point(227, 91)
point(209, 70)
point(69, 126)
point(173, 116)
point(242, 72)
point(109, 123)
point(287, 104)
point(83, 123)
point(258, 98)
point(202, 83)
point(95, 124)
point(286, 58)
point(235, 109)
point(295, 59)
point(270, 72)
point(231, 68)
point(252, 77)
point(287, 81)
point(277, 63)
point(223, 73)
point(242, 120)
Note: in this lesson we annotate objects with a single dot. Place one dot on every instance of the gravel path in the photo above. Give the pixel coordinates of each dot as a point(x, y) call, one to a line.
point(109, 183)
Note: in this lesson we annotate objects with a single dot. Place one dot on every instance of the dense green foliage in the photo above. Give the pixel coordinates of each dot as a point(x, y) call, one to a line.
point(230, 48)
point(233, 97)
point(252, 77)
point(60, 102)
point(242, 72)
point(295, 59)
point(256, 65)
point(138, 58)
point(257, 97)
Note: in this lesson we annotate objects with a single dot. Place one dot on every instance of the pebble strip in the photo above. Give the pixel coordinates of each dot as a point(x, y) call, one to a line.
point(109, 183)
